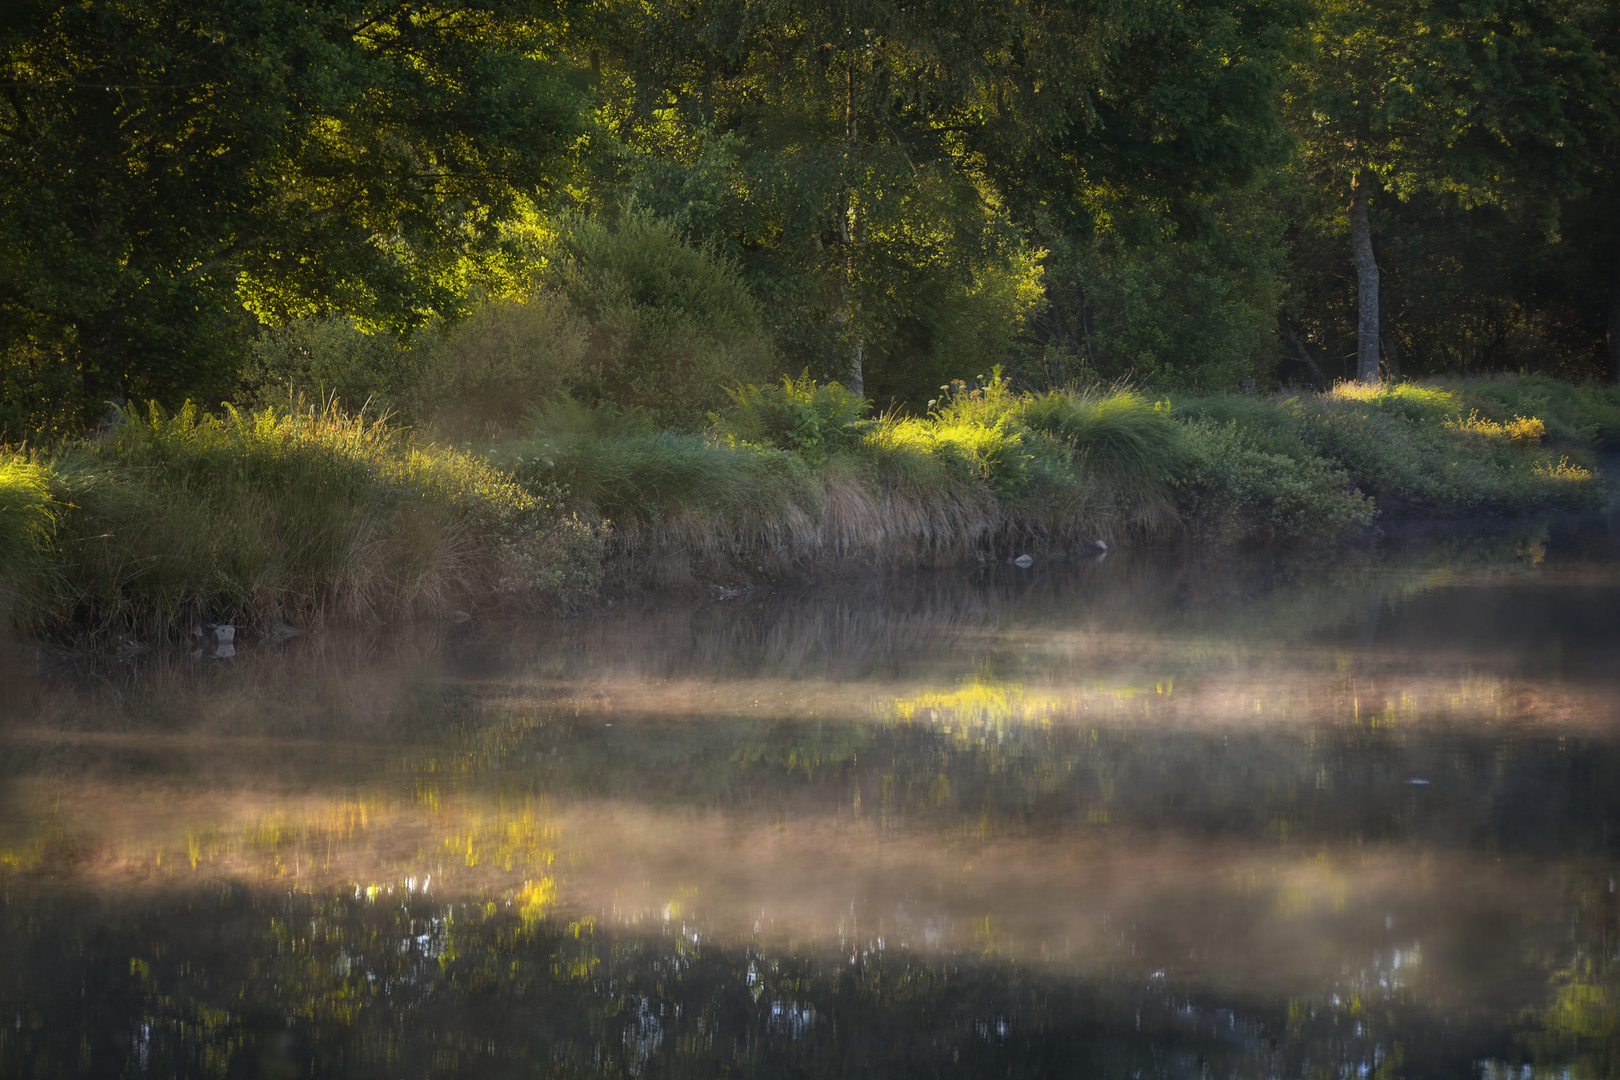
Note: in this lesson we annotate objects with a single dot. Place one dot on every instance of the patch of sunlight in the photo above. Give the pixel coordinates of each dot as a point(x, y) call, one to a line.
point(1520, 431)
point(1565, 470)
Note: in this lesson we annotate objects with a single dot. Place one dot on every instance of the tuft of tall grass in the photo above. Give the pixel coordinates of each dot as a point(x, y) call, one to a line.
point(28, 516)
point(289, 515)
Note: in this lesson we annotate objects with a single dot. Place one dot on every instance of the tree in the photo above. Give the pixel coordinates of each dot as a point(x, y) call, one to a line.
point(170, 170)
point(889, 174)
point(1481, 102)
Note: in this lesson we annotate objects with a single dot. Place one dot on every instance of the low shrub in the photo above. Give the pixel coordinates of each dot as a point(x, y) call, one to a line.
point(478, 378)
point(670, 325)
point(813, 420)
point(481, 378)
point(1233, 489)
point(1573, 415)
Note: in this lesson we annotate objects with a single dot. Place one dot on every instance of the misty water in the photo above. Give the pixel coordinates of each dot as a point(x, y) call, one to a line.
point(1151, 814)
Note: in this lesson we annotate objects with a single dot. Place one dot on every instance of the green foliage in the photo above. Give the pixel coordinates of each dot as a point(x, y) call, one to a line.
point(325, 358)
point(1410, 447)
point(1573, 415)
point(809, 418)
point(474, 379)
point(615, 468)
point(483, 376)
point(163, 163)
point(1166, 306)
point(1236, 490)
point(1119, 434)
point(280, 514)
point(1487, 135)
point(28, 517)
point(670, 325)
point(889, 179)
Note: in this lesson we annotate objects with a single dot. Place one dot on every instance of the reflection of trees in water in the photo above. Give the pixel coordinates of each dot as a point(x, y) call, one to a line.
point(241, 984)
point(1336, 779)
point(975, 708)
point(897, 624)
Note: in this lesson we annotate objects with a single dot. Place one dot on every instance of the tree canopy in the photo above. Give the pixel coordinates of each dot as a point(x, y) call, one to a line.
point(1182, 193)
point(170, 171)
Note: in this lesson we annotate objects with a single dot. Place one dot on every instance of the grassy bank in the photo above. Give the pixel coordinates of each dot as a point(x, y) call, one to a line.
point(169, 521)
point(165, 522)
point(797, 477)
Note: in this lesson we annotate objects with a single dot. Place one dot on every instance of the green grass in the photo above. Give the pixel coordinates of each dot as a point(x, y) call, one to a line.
point(1463, 448)
point(276, 515)
point(796, 477)
point(28, 516)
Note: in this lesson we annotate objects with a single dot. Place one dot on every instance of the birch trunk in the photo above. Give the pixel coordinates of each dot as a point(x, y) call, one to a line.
point(849, 236)
point(1366, 280)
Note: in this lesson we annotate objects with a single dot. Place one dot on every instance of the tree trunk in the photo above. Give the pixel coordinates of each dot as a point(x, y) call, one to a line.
point(1366, 280)
point(849, 236)
point(1614, 323)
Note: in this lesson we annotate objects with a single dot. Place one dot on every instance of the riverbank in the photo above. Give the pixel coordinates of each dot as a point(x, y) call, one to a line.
point(289, 517)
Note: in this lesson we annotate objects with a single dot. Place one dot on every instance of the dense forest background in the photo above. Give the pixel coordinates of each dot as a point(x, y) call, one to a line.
point(203, 199)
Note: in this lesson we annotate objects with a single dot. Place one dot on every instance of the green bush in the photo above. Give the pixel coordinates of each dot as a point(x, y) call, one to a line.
point(482, 377)
point(325, 359)
point(1573, 414)
point(671, 326)
point(615, 467)
point(1413, 448)
point(799, 415)
point(477, 378)
point(1232, 489)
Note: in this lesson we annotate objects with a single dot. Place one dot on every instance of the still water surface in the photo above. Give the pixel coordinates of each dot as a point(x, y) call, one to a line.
point(1153, 814)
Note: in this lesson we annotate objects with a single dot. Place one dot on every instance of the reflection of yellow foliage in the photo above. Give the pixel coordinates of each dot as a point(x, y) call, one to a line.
point(534, 898)
point(505, 841)
point(1584, 1010)
point(976, 704)
point(986, 936)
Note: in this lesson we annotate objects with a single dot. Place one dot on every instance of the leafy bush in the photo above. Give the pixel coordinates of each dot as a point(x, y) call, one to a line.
point(615, 467)
point(671, 325)
point(1572, 414)
point(1412, 447)
point(813, 420)
point(475, 378)
point(481, 377)
point(323, 359)
point(1235, 490)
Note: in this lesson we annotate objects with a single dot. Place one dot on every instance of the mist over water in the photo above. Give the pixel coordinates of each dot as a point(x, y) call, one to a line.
point(1157, 814)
